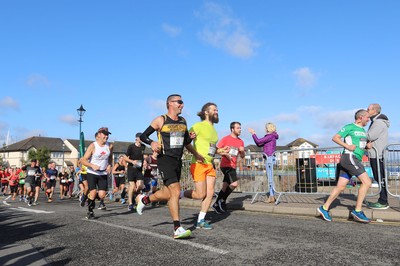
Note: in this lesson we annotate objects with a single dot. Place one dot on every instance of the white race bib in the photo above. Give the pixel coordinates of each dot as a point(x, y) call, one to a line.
point(212, 150)
point(176, 139)
point(233, 151)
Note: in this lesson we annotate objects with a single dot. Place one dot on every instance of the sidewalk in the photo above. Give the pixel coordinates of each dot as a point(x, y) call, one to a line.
point(306, 205)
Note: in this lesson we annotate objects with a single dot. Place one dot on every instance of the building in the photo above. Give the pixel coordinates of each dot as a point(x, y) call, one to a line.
point(285, 155)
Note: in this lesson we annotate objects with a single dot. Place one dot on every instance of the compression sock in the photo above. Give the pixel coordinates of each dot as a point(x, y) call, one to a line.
point(228, 191)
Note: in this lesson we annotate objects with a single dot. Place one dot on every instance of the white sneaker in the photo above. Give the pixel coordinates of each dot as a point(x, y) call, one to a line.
point(182, 233)
point(139, 204)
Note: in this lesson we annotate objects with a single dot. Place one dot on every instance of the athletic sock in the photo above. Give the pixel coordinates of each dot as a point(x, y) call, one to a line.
point(220, 195)
point(123, 194)
point(146, 200)
point(177, 224)
point(228, 191)
point(91, 205)
point(202, 216)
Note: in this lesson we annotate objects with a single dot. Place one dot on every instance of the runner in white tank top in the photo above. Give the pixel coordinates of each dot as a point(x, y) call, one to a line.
point(98, 159)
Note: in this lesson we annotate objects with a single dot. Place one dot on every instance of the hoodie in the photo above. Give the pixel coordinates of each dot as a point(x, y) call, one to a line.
point(268, 142)
point(378, 134)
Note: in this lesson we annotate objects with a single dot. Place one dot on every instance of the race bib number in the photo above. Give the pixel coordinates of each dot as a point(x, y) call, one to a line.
point(121, 175)
point(52, 177)
point(138, 164)
point(31, 172)
point(176, 139)
point(233, 151)
point(212, 150)
point(363, 143)
point(63, 181)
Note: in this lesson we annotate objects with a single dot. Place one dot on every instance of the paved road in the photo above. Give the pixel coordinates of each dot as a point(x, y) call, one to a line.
point(62, 236)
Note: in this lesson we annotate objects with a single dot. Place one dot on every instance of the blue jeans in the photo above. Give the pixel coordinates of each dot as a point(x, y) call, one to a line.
point(269, 167)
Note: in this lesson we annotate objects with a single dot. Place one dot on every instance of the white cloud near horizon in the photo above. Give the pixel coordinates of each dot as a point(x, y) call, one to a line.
point(9, 103)
point(225, 32)
point(305, 79)
point(35, 80)
point(170, 30)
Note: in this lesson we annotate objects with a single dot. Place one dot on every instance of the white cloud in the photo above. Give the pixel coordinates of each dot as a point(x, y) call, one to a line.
point(225, 32)
point(35, 80)
point(69, 119)
point(305, 78)
point(9, 102)
point(172, 31)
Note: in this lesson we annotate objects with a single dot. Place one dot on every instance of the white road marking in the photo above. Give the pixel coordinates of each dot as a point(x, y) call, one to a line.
point(6, 203)
point(170, 238)
point(30, 210)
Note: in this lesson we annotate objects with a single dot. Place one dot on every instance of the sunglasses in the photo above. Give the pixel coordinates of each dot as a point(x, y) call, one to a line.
point(177, 101)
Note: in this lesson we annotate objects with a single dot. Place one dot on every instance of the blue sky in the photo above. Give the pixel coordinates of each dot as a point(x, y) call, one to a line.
point(307, 66)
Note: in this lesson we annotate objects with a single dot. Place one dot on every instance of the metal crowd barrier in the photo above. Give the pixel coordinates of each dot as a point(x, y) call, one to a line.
point(392, 169)
point(305, 172)
point(300, 172)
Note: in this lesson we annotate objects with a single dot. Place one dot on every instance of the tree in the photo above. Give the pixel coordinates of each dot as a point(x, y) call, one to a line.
point(41, 154)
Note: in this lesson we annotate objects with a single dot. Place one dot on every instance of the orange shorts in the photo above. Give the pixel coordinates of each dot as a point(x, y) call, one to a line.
point(200, 171)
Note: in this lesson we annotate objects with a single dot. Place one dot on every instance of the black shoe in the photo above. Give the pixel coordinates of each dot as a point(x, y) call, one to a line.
point(216, 208)
point(90, 215)
point(82, 201)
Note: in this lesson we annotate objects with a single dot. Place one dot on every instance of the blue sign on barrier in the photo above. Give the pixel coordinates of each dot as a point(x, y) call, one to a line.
point(329, 173)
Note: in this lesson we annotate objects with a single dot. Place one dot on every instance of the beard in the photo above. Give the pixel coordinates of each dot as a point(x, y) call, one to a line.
point(214, 119)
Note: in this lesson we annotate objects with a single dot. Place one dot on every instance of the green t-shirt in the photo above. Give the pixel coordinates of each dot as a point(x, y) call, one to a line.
point(354, 135)
point(206, 140)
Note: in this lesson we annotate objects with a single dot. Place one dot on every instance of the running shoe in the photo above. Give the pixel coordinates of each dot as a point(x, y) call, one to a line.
point(131, 207)
point(216, 208)
point(82, 201)
point(324, 214)
point(204, 225)
point(222, 205)
point(123, 201)
point(180, 232)
point(102, 206)
point(90, 215)
point(140, 205)
point(35, 203)
point(360, 216)
point(111, 196)
point(377, 206)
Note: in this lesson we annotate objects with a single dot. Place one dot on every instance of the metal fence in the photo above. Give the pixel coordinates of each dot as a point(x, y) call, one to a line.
point(392, 169)
point(305, 172)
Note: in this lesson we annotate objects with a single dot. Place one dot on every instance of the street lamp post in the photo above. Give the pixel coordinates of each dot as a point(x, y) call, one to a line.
point(81, 112)
point(63, 148)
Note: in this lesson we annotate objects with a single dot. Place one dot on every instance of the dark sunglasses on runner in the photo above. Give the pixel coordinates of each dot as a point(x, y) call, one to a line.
point(178, 101)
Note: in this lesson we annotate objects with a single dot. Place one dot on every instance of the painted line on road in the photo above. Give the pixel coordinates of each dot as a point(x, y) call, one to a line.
point(180, 241)
point(6, 203)
point(7, 198)
point(30, 210)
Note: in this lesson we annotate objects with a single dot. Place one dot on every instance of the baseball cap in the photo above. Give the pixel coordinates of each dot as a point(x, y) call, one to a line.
point(104, 130)
point(138, 135)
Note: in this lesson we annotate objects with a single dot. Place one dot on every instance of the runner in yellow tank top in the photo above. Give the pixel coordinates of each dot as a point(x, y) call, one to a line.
point(202, 168)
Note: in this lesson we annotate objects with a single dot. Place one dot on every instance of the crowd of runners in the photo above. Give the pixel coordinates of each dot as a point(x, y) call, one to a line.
point(135, 175)
point(26, 183)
